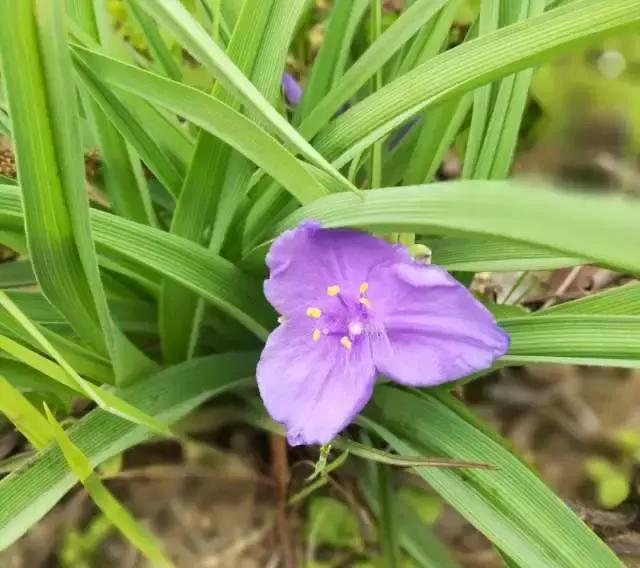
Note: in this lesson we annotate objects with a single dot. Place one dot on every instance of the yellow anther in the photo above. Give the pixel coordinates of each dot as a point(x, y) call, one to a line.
point(346, 342)
point(316, 335)
point(333, 290)
point(364, 287)
point(365, 302)
point(313, 312)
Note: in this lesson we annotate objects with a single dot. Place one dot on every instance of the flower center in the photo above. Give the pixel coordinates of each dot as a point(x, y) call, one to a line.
point(347, 323)
point(355, 328)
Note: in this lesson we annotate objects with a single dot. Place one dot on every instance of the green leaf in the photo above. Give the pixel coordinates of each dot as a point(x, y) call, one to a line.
point(86, 362)
point(621, 301)
point(489, 20)
point(201, 192)
point(431, 39)
point(415, 535)
point(24, 416)
point(213, 116)
point(177, 19)
point(510, 505)
point(41, 171)
point(420, 541)
point(329, 64)
point(439, 127)
point(613, 484)
point(604, 229)
point(103, 498)
point(155, 42)
point(470, 65)
point(501, 136)
point(577, 339)
point(375, 29)
point(50, 169)
point(165, 128)
point(394, 37)
point(487, 254)
point(28, 380)
point(210, 276)
point(122, 171)
point(27, 494)
point(133, 316)
point(132, 131)
point(266, 76)
point(64, 373)
point(5, 123)
point(386, 458)
point(388, 524)
point(332, 523)
point(16, 273)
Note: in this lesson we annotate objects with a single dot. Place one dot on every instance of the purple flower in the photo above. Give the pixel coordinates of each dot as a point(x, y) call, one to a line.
point(291, 88)
point(354, 306)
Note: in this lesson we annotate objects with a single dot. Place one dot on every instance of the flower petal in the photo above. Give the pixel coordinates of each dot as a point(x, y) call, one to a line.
point(292, 89)
point(314, 388)
point(435, 330)
point(307, 260)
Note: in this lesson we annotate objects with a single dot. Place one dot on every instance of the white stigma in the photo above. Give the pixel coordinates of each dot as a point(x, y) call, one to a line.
point(355, 328)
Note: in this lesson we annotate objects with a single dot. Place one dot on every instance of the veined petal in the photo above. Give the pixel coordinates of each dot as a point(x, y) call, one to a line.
point(435, 330)
point(306, 261)
point(314, 387)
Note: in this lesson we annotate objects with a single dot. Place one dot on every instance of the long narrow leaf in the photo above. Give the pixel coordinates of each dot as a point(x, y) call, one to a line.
point(122, 171)
point(214, 278)
point(212, 115)
point(621, 301)
point(156, 44)
point(327, 64)
point(371, 61)
point(173, 15)
point(470, 65)
point(202, 187)
point(103, 498)
point(23, 415)
point(50, 168)
point(605, 340)
point(488, 22)
point(510, 504)
point(27, 494)
point(603, 229)
point(103, 398)
point(488, 254)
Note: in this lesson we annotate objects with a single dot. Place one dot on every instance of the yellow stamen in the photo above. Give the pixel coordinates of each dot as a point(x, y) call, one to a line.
point(333, 290)
point(365, 302)
point(346, 342)
point(316, 335)
point(364, 287)
point(313, 312)
point(282, 319)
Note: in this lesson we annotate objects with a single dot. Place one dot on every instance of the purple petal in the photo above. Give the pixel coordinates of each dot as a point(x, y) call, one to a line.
point(291, 88)
point(305, 261)
point(314, 388)
point(436, 331)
